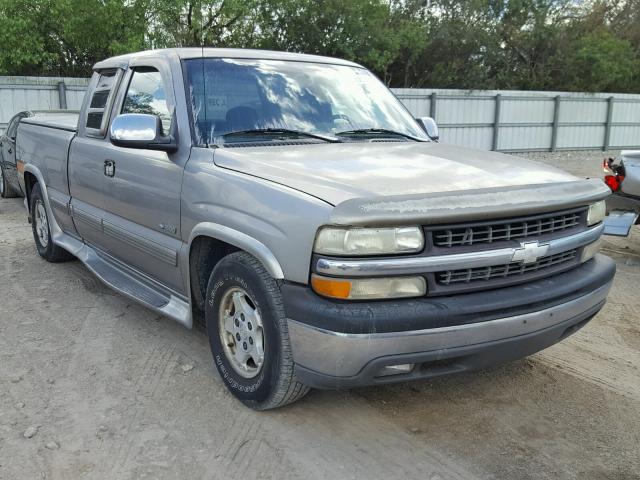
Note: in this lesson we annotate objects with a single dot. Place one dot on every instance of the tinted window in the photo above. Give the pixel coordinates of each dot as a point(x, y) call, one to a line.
point(100, 101)
point(146, 94)
point(106, 80)
point(94, 120)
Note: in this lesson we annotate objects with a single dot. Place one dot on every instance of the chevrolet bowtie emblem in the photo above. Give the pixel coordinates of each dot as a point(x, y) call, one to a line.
point(530, 252)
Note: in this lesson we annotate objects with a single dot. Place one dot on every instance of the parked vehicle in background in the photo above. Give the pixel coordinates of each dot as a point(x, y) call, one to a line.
point(9, 184)
point(322, 233)
point(623, 178)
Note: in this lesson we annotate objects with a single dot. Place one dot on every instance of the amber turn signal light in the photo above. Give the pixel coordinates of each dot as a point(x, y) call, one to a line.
point(369, 288)
point(331, 287)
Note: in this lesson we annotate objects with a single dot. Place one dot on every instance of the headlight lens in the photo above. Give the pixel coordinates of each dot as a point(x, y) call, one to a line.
point(369, 288)
point(368, 241)
point(597, 212)
point(590, 250)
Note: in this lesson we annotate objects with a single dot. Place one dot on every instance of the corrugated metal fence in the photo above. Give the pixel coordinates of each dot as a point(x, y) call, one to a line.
point(39, 93)
point(529, 121)
point(489, 120)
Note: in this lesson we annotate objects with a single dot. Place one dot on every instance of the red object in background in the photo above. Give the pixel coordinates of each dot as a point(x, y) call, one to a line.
point(613, 182)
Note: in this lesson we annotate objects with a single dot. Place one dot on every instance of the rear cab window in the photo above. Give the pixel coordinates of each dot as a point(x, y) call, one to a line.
point(98, 112)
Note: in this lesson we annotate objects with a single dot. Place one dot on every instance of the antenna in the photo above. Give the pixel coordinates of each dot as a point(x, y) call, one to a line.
point(204, 91)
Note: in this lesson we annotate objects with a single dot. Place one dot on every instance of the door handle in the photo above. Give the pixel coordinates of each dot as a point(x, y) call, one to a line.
point(109, 168)
point(10, 151)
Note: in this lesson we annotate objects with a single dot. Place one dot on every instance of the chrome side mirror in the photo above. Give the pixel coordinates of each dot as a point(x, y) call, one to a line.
point(430, 126)
point(141, 130)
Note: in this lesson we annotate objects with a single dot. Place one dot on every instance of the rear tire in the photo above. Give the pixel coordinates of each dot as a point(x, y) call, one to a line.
point(6, 190)
point(42, 232)
point(248, 334)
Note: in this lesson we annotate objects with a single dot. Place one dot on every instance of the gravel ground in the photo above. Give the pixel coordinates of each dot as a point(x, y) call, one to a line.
point(95, 386)
point(581, 163)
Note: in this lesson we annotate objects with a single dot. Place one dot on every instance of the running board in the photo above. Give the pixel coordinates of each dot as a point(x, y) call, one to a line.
point(128, 282)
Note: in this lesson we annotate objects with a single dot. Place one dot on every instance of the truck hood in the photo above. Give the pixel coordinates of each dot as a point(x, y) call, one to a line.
point(344, 171)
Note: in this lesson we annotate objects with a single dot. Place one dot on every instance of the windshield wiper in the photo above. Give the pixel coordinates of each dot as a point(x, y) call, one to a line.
point(375, 131)
point(281, 131)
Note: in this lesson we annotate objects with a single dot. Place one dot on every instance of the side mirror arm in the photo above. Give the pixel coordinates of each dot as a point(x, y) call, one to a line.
point(167, 143)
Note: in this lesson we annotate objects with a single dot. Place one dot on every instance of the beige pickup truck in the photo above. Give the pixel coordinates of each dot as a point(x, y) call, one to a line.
point(322, 234)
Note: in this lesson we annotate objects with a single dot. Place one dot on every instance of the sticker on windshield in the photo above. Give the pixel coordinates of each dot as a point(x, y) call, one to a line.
point(216, 104)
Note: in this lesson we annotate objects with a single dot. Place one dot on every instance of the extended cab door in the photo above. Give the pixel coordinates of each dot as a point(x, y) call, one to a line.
point(87, 153)
point(141, 221)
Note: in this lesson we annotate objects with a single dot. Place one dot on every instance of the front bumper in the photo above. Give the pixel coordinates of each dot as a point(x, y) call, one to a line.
point(346, 344)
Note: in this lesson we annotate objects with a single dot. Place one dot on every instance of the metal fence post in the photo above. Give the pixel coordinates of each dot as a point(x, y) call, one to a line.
point(607, 128)
point(432, 105)
point(556, 116)
point(496, 122)
point(62, 95)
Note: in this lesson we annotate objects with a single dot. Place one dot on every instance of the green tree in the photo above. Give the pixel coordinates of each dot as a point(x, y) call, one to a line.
point(358, 30)
point(471, 44)
point(602, 63)
point(195, 23)
point(66, 37)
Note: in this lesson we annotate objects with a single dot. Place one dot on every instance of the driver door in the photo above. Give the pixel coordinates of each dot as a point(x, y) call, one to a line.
point(141, 210)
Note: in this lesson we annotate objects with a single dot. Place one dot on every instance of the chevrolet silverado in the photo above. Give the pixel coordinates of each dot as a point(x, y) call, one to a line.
point(321, 233)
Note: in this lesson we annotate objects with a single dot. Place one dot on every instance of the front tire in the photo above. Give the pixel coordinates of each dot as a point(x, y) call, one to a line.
point(248, 334)
point(42, 232)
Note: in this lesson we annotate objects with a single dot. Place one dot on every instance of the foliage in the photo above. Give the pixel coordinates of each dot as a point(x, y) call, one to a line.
point(501, 44)
point(65, 36)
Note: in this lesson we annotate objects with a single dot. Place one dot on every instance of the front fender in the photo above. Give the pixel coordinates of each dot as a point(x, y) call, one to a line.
point(240, 240)
point(273, 222)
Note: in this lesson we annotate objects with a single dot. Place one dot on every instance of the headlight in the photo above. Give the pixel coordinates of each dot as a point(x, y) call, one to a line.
point(369, 288)
point(597, 212)
point(368, 241)
point(589, 251)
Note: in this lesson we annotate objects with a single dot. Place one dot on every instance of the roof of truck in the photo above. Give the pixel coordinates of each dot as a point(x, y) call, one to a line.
point(122, 61)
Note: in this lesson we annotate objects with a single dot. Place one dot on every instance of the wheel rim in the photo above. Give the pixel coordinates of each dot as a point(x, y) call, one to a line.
point(42, 225)
point(241, 332)
point(1, 181)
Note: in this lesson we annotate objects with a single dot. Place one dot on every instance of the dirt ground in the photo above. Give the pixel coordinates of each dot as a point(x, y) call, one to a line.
point(107, 389)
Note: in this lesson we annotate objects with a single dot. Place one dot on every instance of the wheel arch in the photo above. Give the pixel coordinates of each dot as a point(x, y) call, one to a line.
point(209, 243)
point(30, 179)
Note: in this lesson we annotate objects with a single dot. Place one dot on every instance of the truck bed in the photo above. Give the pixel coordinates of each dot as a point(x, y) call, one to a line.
point(43, 141)
point(61, 120)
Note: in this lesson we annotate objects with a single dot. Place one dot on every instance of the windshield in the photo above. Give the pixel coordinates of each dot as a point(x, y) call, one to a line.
point(234, 95)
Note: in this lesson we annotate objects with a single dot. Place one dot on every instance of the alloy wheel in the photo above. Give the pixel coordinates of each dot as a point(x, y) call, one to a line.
point(241, 332)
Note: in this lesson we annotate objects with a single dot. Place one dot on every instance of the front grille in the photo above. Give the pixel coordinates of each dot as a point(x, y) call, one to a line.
point(490, 232)
point(478, 274)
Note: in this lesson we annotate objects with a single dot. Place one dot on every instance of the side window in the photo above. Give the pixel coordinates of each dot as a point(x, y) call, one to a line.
point(146, 94)
point(98, 113)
